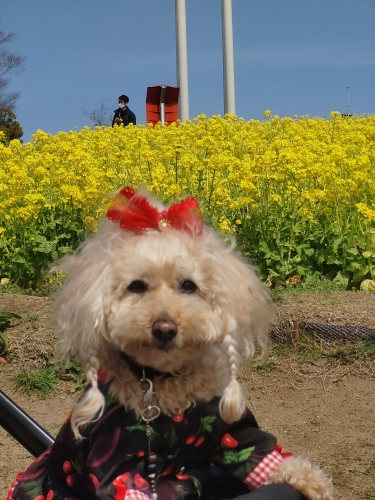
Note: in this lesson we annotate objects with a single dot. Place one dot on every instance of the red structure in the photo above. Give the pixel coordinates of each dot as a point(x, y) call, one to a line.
point(162, 104)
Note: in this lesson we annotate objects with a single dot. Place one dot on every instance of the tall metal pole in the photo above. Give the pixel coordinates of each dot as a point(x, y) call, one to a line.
point(228, 57)
point(163, 91)
point(181, 59)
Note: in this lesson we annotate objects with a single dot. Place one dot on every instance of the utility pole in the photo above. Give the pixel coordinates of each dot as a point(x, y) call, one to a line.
point(181, 59)
point(228, 57)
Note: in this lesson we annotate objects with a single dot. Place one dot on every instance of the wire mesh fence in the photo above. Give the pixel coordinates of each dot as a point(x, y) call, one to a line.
point(282, 331)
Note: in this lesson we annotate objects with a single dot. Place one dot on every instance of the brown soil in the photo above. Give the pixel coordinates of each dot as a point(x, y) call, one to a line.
point(324, 412)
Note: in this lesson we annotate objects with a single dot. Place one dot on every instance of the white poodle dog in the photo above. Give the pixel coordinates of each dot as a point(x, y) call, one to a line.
point(161, 312)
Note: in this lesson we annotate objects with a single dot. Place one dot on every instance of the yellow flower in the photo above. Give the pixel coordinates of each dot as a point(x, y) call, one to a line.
point(368, 286)
point(317, 173)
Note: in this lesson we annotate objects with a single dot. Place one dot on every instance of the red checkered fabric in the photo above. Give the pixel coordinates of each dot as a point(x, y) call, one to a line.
point(136, 495)
point(259, 475)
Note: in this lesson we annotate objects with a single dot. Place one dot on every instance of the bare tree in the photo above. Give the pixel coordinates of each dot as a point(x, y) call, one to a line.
point(100, 116)
point(10, 64)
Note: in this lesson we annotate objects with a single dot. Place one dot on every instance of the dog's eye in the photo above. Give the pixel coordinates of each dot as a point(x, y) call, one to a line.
point(137, 286)
point(188, 286)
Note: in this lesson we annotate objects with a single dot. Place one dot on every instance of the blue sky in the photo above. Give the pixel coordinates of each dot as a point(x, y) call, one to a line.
point(291, 56)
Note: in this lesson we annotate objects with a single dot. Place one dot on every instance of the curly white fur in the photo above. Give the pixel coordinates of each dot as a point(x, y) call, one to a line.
point(97, 314)
point(221, 323)
point(92, 402)
point(233, 401)
point(305, 477)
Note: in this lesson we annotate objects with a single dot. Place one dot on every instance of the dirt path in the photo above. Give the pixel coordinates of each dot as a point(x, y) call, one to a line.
point(326, 414)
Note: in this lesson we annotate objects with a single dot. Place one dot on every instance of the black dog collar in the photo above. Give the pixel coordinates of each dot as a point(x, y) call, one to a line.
point(142, 371)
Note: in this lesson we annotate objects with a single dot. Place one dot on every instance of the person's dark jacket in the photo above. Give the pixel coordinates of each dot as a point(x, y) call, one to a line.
point(126, 115)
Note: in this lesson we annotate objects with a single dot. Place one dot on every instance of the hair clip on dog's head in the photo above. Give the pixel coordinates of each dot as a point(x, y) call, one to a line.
point(134, 212)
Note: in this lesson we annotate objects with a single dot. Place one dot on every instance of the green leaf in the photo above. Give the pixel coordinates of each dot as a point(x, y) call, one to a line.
point(19, 260)
point(206, 423)
point(244, 454)
point(301, 271)
point(354, 266)
point(231, 457)
point(8, 315)
point(175, 455)
point(208, 419)
point(264, 248)
point(5, 318)
point(342, 279)
point(4, 339)
point(336, 243)
point(110, 399)
point(140, 427)
point(76, 466)
point(353, 251)
point(358, 276)
point(170, 436)
point(198, 486)
point(332, 259)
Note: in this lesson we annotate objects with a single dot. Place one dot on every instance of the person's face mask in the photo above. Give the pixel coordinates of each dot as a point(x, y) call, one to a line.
point(121, 106)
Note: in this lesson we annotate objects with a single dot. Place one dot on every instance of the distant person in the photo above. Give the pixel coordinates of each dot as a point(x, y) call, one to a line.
point(123, 114)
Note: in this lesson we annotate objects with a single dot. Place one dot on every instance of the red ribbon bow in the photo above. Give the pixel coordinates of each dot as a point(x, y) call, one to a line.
point(134, 213)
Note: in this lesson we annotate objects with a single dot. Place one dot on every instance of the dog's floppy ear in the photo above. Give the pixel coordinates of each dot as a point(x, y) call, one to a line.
point(245, 312)
point(80, 317)
point(78, 307)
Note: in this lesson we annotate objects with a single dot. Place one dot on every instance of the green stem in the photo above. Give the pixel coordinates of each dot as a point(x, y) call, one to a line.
point(211, 190)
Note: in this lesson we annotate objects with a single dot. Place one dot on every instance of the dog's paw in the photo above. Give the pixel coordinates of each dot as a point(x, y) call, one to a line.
point(305, 477)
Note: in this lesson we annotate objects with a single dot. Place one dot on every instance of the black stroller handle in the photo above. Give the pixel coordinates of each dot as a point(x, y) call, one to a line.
point(22, 427)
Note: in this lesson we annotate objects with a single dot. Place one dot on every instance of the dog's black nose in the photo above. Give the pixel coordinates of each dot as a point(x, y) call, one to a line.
point(164, 330)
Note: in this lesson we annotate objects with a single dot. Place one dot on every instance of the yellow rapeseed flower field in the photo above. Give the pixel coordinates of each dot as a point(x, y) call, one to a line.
point(297, 192)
